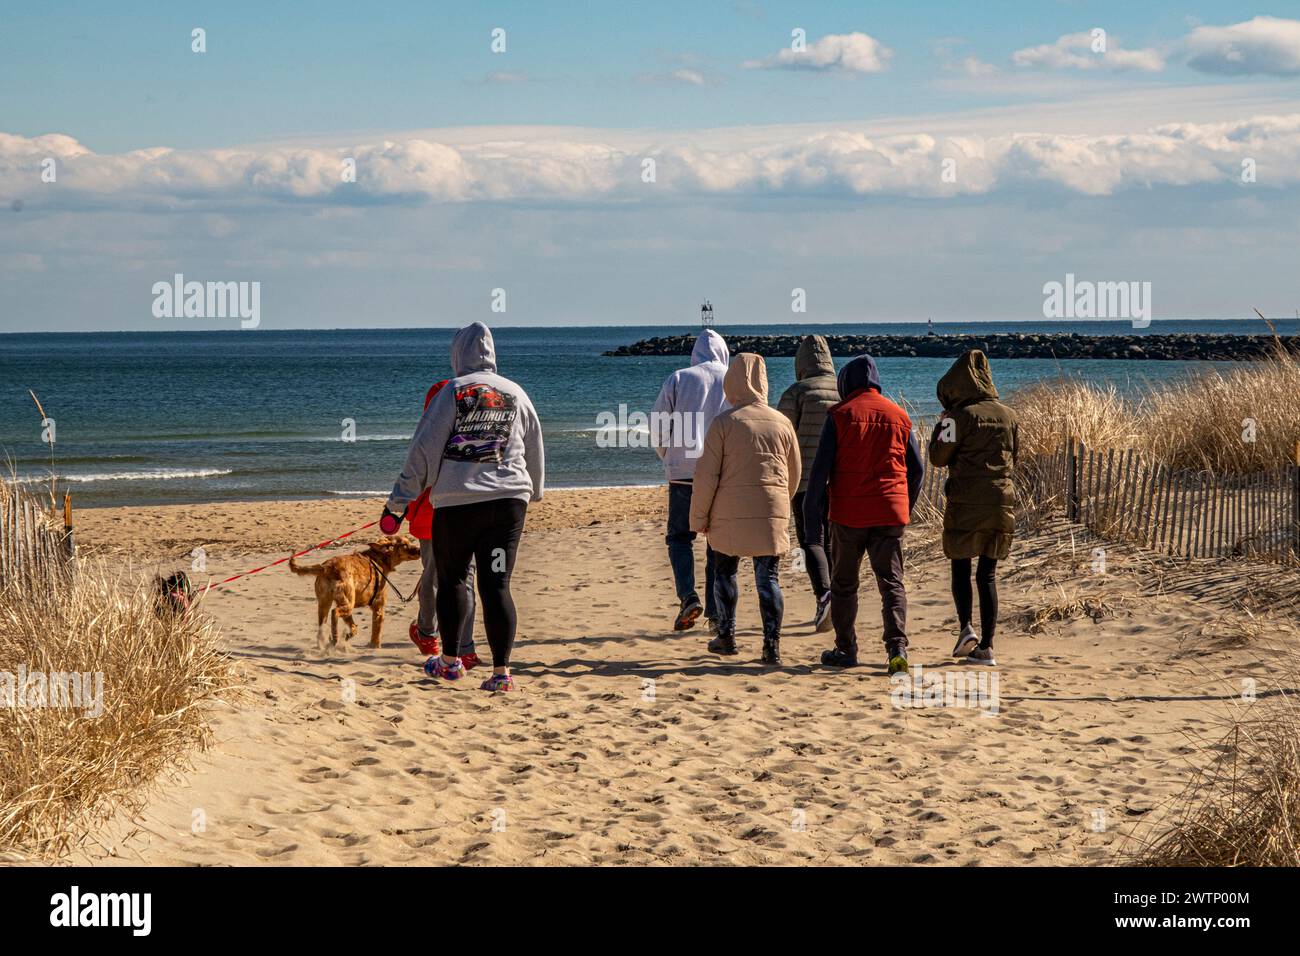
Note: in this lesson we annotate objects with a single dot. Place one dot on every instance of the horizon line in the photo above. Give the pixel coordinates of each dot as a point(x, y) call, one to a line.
point(666, 325)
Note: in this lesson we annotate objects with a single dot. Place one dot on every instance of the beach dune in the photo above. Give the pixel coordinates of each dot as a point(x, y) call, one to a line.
point(628, 743)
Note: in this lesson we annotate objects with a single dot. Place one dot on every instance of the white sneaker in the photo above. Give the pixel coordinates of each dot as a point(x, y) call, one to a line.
point(822, 618)
point(966, 643)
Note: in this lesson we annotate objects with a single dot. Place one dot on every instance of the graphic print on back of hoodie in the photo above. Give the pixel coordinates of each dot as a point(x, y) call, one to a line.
point(485, 417)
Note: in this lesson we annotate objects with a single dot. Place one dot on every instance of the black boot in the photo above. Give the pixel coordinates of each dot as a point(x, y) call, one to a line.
point(772, 651)
point(838, 658)
point(724, 643)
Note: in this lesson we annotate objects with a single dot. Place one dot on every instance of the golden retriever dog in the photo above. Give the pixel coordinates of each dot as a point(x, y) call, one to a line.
point(349, 581)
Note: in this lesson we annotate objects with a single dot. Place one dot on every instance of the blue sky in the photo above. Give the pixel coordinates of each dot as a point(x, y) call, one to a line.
point(523, 170)
point(122, 75)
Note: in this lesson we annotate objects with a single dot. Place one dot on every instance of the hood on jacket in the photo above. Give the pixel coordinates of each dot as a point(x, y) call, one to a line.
point(709, 347)
point(858, 374)
point(813, 358)
point(472, 350)
point(746, 380)
point(969, 380)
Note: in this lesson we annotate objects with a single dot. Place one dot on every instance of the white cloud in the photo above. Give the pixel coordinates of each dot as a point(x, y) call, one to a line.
point(1075, 51)
point(846, 52)
point(608, 165)
point(946, 50)
point(501, 78)
point(1262, 45)
point(973, 66)
point(684, 76)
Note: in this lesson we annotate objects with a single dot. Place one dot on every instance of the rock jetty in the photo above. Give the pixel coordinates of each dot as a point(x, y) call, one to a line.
point(1180, 347)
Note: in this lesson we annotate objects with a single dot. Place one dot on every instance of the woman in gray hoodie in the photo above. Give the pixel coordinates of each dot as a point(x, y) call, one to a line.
point(479, 450)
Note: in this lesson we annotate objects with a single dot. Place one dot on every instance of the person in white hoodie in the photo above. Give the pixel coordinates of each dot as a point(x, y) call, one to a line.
point(687, 404)
point(479, 450)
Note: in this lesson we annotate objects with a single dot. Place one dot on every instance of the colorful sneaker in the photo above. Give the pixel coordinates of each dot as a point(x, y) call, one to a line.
point(498, 683)
point(428, 645)
point(439, 669)
point(470, 661)
point(897, 660)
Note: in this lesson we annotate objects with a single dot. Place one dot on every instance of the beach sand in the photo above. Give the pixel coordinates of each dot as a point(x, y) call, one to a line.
point(629, 744)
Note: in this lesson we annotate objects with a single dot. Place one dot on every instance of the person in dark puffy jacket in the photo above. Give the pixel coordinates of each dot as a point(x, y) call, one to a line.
point(806, 403)
point(977, 439)
point(869, 465)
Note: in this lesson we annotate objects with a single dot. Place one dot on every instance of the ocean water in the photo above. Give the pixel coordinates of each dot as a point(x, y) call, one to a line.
point(173, 417)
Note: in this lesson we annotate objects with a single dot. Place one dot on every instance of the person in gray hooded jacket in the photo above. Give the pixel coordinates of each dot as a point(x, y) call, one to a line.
point(479, 450)
point(687, 404)
point(805, 403)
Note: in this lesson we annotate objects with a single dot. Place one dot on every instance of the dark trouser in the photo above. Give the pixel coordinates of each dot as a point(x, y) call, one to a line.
point(814, 555)
point(884, 548)
point(487, 533)
point(427, 619)
point(771, 605)
point(681, 554)
point(986, 580)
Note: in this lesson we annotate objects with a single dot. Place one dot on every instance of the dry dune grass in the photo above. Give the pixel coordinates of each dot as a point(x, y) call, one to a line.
point(1195, 422)
point(1050, 412)
point(1237, 630)
point(1034, 618)
point(134, 710)
point(1199, 423)
point(1244, 808)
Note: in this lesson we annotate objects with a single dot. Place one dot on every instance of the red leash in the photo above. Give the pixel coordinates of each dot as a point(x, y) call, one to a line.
point(296, 554)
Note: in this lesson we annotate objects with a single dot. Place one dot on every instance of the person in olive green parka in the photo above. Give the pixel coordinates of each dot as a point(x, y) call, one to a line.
point(977, 440)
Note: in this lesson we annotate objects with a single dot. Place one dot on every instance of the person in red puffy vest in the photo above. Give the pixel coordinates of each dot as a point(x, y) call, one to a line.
point(424, 629)
point(865, 480)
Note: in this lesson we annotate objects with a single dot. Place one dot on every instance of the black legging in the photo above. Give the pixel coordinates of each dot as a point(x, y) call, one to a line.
point(816, 556)
point(486, 532)
point(986, 580)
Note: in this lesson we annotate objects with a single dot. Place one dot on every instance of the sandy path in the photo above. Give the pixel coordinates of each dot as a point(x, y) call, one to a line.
point(359, 759)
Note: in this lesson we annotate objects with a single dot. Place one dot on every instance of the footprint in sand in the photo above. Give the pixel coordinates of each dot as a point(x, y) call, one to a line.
point(317, 774)
point(270, 853)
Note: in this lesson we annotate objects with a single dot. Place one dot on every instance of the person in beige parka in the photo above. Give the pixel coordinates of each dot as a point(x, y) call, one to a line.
point(746, 476)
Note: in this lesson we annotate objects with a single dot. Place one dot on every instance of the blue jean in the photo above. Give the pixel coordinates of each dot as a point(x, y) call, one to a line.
point(771, 605)
point(681, 553)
